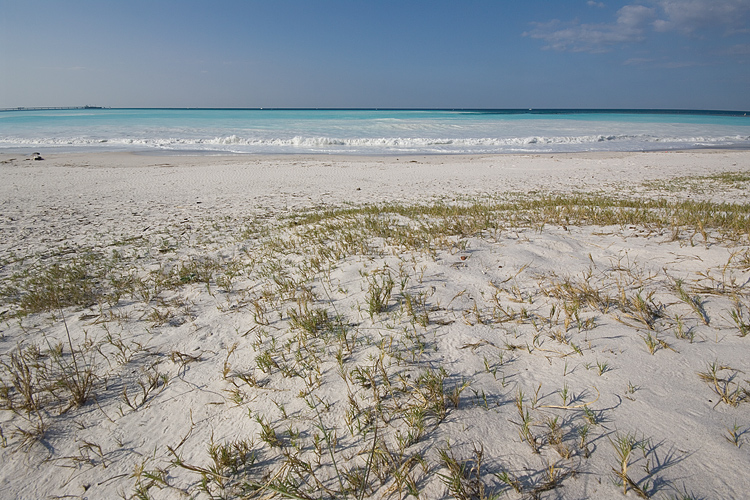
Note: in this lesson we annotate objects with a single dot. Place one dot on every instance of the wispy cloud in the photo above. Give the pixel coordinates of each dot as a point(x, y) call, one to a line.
point(741, 49)
point(653, 63)
point(592, 3)
point(691, 16)
point(637, 61)
point(581, 37)
point(634, 22)
point(681, 64)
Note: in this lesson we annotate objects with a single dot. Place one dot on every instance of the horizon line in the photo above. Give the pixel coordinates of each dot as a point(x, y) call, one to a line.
point(737, 112)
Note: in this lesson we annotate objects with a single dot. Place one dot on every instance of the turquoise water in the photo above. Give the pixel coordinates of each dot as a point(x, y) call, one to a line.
point(217, 131)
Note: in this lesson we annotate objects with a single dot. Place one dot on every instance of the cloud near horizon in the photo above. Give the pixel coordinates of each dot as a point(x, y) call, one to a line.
point(634, 21)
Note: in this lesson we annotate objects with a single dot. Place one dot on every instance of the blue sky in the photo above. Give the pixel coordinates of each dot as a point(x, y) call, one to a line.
point(352, 53)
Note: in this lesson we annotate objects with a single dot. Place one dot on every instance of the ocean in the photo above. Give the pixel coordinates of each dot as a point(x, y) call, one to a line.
point(366, 131)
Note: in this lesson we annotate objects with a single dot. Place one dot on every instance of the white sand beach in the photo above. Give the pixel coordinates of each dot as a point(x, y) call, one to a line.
point(505, 326)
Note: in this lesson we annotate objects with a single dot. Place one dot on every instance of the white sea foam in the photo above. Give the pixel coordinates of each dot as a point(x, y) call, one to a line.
point(362, 132)
point(235, 143)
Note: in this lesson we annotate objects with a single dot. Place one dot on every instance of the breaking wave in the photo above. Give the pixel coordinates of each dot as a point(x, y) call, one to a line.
point(382, 145)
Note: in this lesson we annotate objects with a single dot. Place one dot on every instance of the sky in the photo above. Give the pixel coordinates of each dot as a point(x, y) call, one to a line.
point(668, 54)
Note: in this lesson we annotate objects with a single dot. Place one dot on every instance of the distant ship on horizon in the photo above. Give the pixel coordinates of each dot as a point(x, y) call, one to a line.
point(42, 108)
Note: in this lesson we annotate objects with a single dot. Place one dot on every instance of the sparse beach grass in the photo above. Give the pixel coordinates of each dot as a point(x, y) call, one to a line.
point(473, 348)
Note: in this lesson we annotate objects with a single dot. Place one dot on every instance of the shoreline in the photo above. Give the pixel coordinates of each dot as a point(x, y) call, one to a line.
point(52, 151)
point(280, 180)
point(27, 151)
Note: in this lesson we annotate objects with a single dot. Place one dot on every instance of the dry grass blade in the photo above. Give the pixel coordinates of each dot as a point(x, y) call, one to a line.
point(632, 484)
point(730, 391)
point(642, 310)
point(693, 301)
point(464, 479)
point(576, 406)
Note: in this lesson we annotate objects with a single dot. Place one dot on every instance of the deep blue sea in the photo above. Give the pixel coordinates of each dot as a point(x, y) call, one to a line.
point(367, 132)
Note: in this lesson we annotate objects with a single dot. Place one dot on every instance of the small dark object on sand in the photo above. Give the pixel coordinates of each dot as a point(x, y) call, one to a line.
point(37, 156)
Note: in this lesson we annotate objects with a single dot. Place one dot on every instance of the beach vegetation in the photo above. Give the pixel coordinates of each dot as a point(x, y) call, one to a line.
point(624, 444)
point(738, 314)
point(694, 301)
point(735, 434)
point(465, 478)
point(340, 342)
point(725, 382)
